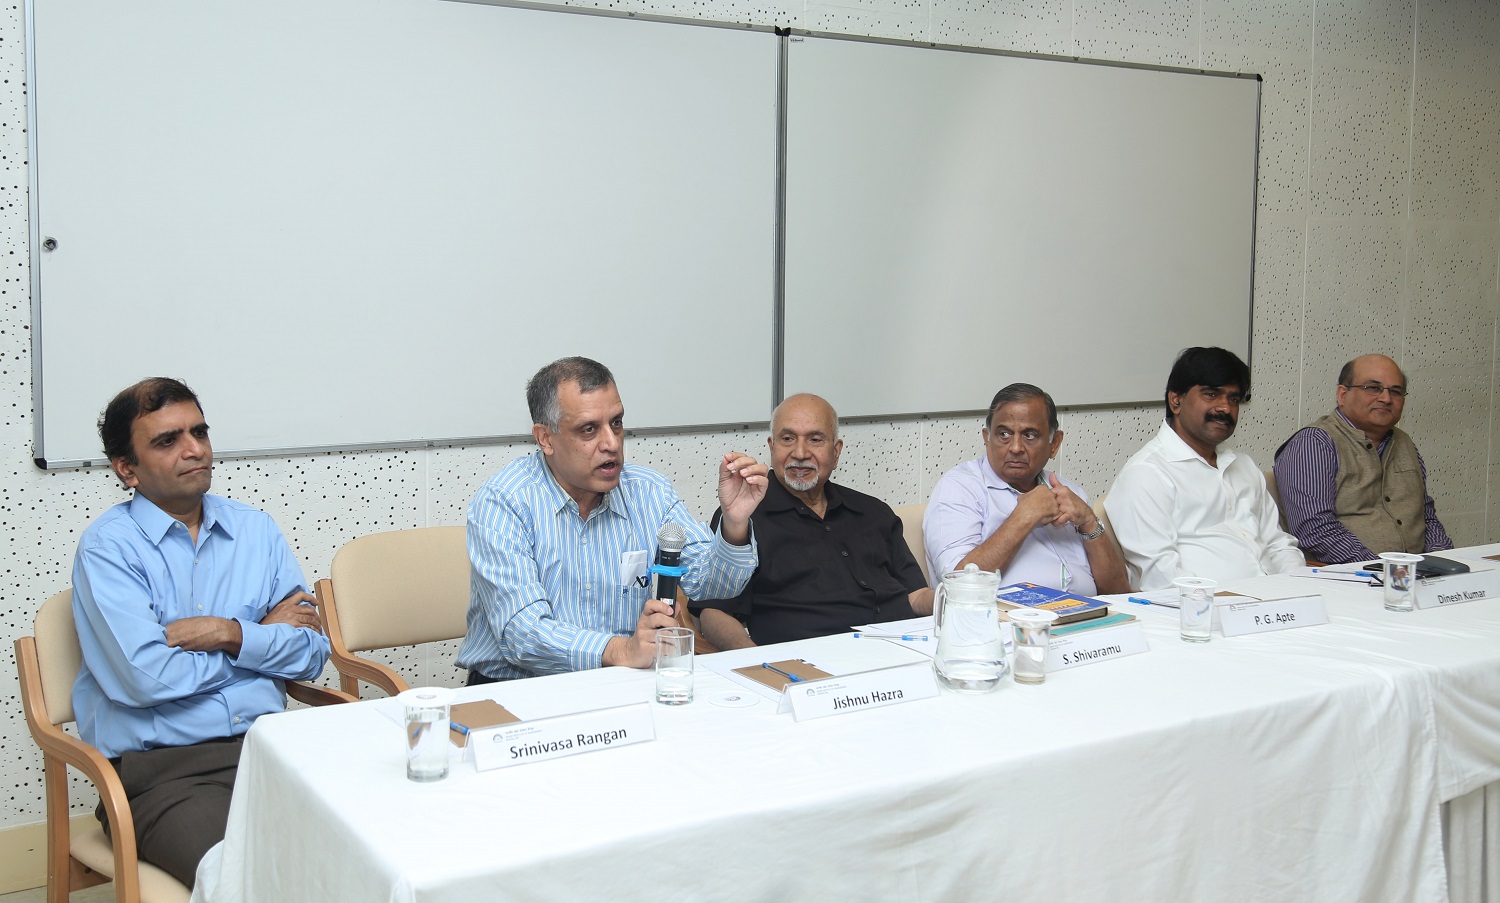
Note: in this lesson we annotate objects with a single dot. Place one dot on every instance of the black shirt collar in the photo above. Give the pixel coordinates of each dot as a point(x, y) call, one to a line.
point(779, 498)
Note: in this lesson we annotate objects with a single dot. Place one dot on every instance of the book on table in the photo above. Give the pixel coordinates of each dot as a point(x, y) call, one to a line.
point(1070, 608)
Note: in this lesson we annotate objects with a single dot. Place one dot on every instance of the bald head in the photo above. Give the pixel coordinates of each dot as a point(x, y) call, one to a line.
point(806, 404)
point(804, 442)
point(1350, 375)
point(1372, 394)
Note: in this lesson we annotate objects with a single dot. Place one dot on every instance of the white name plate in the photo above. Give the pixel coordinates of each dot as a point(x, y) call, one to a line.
point(566, 735)
point(856, 692)
point(1435, 592)
point(1263, 615)
point(1089, 646)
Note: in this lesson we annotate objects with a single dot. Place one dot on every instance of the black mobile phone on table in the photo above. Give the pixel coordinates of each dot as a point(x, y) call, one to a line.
point(1430, 566)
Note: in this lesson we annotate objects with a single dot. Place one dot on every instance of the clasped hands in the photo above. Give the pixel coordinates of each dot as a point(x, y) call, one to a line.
point(1056, 504)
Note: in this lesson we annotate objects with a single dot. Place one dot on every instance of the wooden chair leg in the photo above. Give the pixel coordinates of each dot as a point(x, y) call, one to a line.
point(59, 863)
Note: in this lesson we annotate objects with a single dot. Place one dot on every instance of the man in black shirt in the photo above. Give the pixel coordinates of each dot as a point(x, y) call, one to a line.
point(830, 558)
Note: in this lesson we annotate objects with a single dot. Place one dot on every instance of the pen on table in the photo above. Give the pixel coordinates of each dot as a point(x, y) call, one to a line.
point(1325, 573)
point(1364, 578)
point(894, 636)
point(461, 728)
point(1138, 600)
point(787, 674)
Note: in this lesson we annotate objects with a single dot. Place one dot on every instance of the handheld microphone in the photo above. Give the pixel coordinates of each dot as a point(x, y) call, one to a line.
point(670, 540)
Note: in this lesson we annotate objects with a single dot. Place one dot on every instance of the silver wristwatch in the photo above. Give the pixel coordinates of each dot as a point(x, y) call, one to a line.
point(1098, 532)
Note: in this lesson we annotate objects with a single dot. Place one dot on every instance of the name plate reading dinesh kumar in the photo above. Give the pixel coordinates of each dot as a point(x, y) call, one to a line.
point(565, 735)
point(1263, 615)
point(1089, 646)
point(855, 692)
point(1436, 592)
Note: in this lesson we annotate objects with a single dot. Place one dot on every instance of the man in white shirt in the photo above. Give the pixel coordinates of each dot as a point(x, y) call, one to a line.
point(1184, 507)
point(1003, 511)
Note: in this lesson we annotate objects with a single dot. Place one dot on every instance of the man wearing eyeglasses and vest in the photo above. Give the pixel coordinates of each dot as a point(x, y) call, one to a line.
point(1352, 484)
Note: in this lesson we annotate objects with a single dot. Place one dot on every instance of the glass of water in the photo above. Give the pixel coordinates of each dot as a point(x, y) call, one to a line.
point(1033, 631)
point(1400, 580)
point(674, 666)
point(426, 732)
point(1195, 607)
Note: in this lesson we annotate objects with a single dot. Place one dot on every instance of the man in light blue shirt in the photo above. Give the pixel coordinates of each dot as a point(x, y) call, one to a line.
point(560, 542)
point(191, 612)
point(1004, 511)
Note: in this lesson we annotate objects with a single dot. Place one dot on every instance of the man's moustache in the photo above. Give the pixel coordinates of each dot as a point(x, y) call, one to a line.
point(1221, 418)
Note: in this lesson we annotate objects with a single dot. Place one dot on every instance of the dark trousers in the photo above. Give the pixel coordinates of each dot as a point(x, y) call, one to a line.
point(179, 799)
point(475, 679)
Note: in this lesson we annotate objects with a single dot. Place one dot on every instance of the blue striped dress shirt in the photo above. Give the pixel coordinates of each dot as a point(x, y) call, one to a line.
point(548, 589)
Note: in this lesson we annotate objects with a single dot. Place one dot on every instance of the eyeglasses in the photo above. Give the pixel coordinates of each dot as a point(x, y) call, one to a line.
point(1376, 389)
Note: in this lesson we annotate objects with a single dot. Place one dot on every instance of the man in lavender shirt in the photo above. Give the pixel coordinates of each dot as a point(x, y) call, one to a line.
point(1352, 485)
point(1003, 511)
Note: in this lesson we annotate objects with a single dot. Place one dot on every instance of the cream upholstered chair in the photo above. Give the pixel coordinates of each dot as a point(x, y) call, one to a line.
point(1276, 497)
point(911, 527)
point(1099, 512)
point(48, 664)
point(400, 588)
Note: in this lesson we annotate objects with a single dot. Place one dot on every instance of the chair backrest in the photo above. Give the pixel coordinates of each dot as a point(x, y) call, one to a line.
point(1109, 531)
point(402, 588)
point(1276, 497)
point(911, 527)
point(59, 656)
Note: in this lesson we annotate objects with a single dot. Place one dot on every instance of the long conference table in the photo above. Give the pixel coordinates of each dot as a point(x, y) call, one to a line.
point(1357, 760)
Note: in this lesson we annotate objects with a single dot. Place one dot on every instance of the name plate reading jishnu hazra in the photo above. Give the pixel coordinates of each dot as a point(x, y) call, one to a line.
point(1239, 618)
point(855, 692)
point(1089, 646)
point(1436, 592)
point(565, 735)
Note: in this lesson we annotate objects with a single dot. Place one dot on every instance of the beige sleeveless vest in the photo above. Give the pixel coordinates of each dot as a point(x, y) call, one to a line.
point(1380, 500)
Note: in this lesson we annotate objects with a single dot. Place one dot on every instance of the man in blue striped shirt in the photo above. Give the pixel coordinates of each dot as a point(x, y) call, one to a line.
point(560, 542)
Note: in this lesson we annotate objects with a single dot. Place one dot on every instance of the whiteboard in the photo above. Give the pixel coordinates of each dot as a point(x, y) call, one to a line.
point(365, 223)
point(956, 221)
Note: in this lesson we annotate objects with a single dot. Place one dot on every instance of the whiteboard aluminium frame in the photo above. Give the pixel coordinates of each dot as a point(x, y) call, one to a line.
point(783, 35)
point(1060, 58)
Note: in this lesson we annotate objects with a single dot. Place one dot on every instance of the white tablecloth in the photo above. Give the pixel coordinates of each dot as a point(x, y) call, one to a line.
point(1308, 764)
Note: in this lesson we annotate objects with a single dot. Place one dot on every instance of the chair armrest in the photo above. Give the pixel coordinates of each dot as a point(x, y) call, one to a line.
point(60, 746)
point(345, 662)
point(311, 694)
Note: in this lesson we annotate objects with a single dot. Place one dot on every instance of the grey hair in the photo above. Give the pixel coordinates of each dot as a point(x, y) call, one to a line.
point(1022, 392)
point(776, 410)
point(541, 390)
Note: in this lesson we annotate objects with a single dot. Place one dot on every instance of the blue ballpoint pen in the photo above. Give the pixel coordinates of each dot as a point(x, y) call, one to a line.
point(891, 636)
point(787, 674)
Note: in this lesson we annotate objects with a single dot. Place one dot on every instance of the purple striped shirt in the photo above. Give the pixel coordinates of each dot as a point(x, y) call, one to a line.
point(1306, 476)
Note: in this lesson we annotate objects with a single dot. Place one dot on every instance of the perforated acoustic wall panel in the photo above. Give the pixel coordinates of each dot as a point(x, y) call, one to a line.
point(1377, 230)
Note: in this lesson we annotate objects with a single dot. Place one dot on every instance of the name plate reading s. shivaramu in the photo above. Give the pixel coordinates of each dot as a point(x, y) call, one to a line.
point(1436, 592)
point(854, 692)
point(1089, 646)
point(566, 735)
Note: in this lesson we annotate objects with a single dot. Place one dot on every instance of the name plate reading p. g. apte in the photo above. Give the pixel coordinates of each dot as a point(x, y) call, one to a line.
point(1089, 646)
point(1436, 592)
point(566, 735)
point(855, 692)
point(1263, 615)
